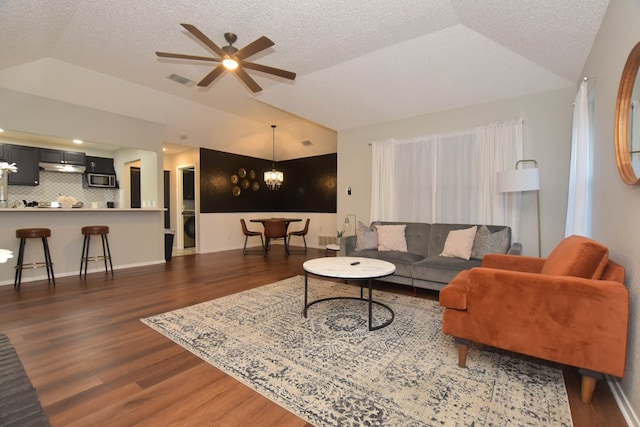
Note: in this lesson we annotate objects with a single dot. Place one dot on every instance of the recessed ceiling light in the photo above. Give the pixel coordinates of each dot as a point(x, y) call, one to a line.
point(77, 141)
point(1, 130)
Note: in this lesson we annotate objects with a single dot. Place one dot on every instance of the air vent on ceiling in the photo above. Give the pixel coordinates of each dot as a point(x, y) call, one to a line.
point(306, 143)
point(182, 80)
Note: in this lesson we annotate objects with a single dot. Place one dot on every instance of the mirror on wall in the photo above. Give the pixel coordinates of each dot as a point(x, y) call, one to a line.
point(627, 120)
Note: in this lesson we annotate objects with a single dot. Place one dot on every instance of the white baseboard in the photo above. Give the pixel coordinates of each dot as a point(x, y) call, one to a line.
point(89, 270)
point(626, 409)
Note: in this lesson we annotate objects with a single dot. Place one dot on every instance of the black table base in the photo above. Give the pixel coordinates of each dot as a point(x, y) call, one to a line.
point(308, 304)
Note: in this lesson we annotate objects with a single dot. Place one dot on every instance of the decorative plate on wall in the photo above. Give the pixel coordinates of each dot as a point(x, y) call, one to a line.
point(245, 184)
point(242, 172)
point(252, 174)
point(236, 191)
point(234, 179)
point(255, 186)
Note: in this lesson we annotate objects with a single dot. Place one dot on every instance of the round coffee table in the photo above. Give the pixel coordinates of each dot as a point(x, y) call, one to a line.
point(354, 268)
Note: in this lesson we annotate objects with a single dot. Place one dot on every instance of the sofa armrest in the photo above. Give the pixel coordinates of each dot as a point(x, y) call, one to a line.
point(515, 249)
point(513, 262)
point(571, 320)
point(347, 245)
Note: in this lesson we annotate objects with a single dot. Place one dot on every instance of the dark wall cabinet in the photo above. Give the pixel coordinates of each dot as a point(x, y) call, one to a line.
point(99, 164)
point(2, 159)
point(26, 159)
point(62, 157)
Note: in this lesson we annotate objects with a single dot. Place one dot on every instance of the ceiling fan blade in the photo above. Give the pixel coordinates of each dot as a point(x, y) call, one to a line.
point(254, 47)
point(181, 56)
point(204, 39)
point(246, 78)
point(266, 69)
point(212, 76)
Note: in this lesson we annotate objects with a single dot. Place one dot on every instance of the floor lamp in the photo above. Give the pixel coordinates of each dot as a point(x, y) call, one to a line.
point(523, 179)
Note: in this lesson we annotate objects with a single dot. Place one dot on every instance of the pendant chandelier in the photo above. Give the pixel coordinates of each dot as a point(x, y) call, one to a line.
point(273, 178)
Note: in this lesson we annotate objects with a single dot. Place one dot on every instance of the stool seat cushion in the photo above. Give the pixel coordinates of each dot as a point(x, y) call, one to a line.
point(95, 229)
point(29, 233)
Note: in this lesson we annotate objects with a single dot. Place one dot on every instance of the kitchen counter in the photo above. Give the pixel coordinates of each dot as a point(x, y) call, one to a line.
point(82, 210)
point(136, 238)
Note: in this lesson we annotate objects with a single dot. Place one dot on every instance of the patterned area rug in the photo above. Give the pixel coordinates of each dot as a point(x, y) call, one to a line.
point(331, 371)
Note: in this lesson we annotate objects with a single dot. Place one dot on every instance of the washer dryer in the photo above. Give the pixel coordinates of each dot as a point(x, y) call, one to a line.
point(189, 229)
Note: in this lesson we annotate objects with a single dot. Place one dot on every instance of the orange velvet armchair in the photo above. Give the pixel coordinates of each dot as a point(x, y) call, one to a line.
point(571, 308)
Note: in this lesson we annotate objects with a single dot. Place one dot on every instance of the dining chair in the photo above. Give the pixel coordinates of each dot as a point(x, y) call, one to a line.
point(302, 233)
point(275, 229)
point(248, 233)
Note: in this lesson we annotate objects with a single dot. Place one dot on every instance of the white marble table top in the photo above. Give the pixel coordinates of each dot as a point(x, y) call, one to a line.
point(333, 247)
point(343, 267)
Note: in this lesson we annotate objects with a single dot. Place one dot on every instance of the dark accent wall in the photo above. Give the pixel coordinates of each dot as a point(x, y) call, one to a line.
point(310, 184)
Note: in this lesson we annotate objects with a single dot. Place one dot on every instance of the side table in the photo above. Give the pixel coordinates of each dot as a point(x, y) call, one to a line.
point(331, 247)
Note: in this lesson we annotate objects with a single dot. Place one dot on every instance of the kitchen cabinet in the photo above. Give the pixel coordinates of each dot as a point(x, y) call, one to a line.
point(100, 165)
point(26, 159)
point(62, 157)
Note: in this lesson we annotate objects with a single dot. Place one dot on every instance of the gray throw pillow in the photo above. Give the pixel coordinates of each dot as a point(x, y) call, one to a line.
point(487, 242)
point(366, 238)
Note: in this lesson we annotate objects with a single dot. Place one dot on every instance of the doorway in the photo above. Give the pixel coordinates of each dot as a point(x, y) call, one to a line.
point(186, 201)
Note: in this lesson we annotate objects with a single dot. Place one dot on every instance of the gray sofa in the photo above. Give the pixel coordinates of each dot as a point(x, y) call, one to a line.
point(421, 266)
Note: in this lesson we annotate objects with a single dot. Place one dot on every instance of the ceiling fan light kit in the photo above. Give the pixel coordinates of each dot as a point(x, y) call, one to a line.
point(231, 58)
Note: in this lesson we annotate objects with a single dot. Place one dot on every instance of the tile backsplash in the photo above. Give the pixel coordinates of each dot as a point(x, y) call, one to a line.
point(54, 184)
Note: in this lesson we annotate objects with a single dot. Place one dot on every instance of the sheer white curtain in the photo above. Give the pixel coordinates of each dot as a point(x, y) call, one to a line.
point(581, 170)
point(382, 180)
point(447, 177)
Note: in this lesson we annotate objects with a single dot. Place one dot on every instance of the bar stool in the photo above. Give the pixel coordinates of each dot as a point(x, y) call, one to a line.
point(95, 230)
point(33, 233)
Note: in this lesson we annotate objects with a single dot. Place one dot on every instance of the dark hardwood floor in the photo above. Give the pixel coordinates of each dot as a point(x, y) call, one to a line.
point(93, 363)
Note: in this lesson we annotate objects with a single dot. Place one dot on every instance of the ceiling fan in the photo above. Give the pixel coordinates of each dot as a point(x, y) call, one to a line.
point(231, 59)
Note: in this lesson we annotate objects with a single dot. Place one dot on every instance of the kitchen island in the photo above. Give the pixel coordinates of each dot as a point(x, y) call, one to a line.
point(136, 238)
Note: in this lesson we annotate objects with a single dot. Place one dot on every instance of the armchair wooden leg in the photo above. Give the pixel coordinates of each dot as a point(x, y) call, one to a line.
point(463, 349)
point(589, 379)
point(462, 355)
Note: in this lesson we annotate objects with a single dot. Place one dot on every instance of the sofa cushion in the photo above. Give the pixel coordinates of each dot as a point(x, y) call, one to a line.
point(391, 238)
point(441, 269)
point(416, 234)
point(402, 260)
point(487, 242)
point(577, 256)
point(366, 238)
point(459, 243)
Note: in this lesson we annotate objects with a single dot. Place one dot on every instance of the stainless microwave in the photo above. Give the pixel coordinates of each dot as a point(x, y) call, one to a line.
point(101, 180)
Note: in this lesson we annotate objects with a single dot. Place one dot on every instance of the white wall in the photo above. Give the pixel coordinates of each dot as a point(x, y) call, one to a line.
point(547, 139)
point(616, 206)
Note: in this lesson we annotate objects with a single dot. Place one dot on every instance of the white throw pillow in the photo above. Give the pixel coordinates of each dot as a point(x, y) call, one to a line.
point(459, 243)
point(391, 238)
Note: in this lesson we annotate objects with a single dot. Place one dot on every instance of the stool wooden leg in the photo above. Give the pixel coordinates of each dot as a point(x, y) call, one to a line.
point(86, 260)
point(48, 261)
point(18, 277)
point(83, 256)
point(107, 254)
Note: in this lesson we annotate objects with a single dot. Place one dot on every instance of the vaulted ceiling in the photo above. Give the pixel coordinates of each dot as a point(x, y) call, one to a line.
point(357, 63)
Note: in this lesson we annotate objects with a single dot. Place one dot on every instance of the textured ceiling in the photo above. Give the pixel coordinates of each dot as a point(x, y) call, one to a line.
point(358, 62)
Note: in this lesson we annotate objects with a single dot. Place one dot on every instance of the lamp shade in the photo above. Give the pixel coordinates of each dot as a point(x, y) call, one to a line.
point(518, 180)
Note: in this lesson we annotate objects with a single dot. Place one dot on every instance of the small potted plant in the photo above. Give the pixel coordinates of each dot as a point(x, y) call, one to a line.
point(339, 236)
